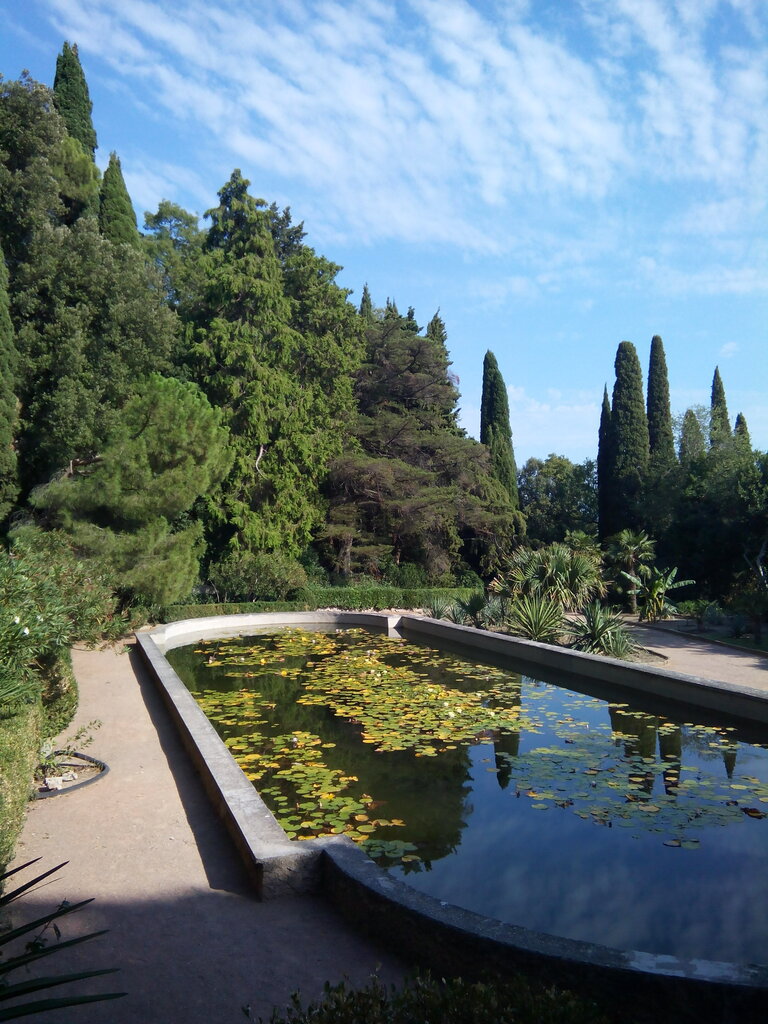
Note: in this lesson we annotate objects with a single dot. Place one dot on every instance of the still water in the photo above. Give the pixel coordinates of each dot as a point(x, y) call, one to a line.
point(527, 801)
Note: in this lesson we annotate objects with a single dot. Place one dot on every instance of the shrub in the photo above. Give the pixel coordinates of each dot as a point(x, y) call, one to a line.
point(260, 576)
point(601, 630)
point(536, 617)
point(511, 1001)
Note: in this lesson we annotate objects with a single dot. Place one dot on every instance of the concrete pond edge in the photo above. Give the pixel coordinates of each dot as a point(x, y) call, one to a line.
point(446, 938)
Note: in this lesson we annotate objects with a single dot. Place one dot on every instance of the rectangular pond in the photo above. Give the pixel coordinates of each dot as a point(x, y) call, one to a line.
point(530, 802)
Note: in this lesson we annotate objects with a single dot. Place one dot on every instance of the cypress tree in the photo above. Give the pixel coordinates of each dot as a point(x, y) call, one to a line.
point(692, 444)
point(719, 424)
point(741, 431)
point(366, 306)
point(629, 445)
point(661, 441)
point(9, 487)
point(495, 431)
point(71, 98)
point(603, 465)
point(117, 219)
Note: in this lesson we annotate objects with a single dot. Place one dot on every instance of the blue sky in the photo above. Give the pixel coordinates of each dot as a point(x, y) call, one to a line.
point(555, 175)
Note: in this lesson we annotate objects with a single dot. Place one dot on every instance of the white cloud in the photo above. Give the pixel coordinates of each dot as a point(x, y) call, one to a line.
point(729, 350)
point(540, 425)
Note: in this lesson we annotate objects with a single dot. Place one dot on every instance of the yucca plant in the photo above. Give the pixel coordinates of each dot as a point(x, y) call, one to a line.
point(36, 949)
point(536, 617)
point(601, 630)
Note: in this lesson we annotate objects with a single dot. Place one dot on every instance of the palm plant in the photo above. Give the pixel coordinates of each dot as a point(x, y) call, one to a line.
point(35, 949)
point(629, 552)
point(536, 617)
point(469, 612)
point(601, 630)
point(652, 592)
point(570, 578)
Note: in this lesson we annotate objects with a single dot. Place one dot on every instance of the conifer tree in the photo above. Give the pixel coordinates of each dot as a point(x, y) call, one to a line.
point(9, 486)
point(117, 218)
point(692, 444)
point(629, 446)
point(72, 100)
point(719, 423)
point(366, 306)
point(661, 441)
point(495, 430)
point(741, 431)
point(603, 466)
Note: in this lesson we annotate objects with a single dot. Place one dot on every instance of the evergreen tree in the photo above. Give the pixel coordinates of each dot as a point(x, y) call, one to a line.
point(719, 423)
point(495, 430)
point(9, 417)
point(692, 443)
point(604, 462)
point(366, 306)
point(741, 431)
point(557, 498)
point(660, 437)
point(117, 218)
point(72, 100)
point(629, 445)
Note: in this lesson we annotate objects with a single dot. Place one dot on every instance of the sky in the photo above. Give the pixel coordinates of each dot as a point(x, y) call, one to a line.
point(555, 176)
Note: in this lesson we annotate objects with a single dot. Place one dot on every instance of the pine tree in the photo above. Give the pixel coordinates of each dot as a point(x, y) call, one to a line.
point(604, 462)
point(629, 445)
point(495, 430)
point(719, 423)
point(9, 484)
point(117, 218)
point(661, 440)
point(71, 98)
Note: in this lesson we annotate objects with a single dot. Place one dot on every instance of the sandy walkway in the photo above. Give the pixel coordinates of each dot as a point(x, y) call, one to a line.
point(192, 944)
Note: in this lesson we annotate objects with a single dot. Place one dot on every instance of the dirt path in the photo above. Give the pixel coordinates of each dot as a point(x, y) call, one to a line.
point(192, 944)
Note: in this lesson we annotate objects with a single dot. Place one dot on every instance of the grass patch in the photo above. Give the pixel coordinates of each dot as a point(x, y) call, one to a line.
point(19, 754)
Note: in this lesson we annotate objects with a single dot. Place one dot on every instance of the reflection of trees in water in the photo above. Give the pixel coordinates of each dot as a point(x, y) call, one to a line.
point(506, 746)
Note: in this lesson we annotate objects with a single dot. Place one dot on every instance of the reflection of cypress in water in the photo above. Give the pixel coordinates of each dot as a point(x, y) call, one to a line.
point(505, 748)
point(639, 740)
point(671, 750)
point(729, 760)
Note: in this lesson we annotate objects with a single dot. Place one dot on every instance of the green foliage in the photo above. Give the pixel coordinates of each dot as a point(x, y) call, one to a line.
point(512, 1001)
point(245, 576)
point(77, 177)
point(692, 446)
point(557, 496)
point(628, 447)
point(495, 430)
point(536, 616)
point(652, 590)
point(174, 243)
point(117, 218)
point(630, 551)
point(600, 630)
point(73, 102)
point(9, 417)
point(91, 325)
point(661, 440)
point(569, 578)
point(741, 430)
point(604, 467)
point(125, 507)
point(36, 946)
point(719, 423)
point(19, 744)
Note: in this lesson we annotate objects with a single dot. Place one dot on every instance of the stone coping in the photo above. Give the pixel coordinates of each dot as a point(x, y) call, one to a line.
point(431, 931)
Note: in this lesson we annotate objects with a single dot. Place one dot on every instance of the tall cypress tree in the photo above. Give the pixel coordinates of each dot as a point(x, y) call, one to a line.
point(660, 438)
point(117, 218)
point(72, 100)
point(741, 431)
point(604, 463)
point(692, 444)
point(366, 306)
point(719, 423)
point(9, 486)
point(629, 445)
point(495, 431)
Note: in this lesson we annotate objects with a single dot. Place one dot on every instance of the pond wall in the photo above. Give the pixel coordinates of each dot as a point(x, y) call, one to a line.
point(425, 930)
